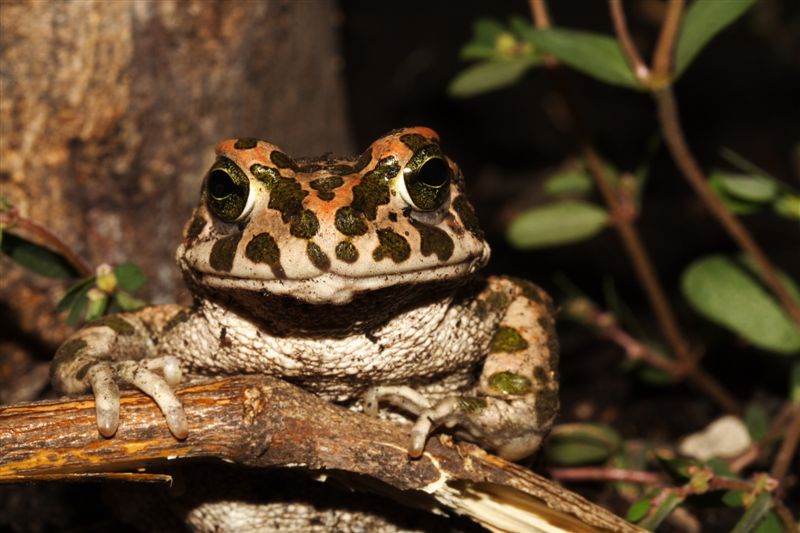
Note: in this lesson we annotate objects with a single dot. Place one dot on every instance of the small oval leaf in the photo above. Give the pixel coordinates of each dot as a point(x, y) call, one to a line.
point(571, 182)
point(582, 443)
point(727, 294)
point(702, 21)
point(490, 75)
point(748, 187)
point(595, 54)
point(129, 276)
point(36, 258)
point(556, 224)
point(638, 510)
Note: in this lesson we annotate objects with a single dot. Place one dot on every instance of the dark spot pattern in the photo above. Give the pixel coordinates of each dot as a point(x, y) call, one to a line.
point(305, 226)
point(374, 187)
point(68, 351)
point(363, 161)
point(510, 383)
point(466, 213)
point(325, 187)
point(434, 241)
point(507, 339)
point(414, 141)
point(178, 318)
point(317, 257)
point(393, 216)
point(282, 160)
point(497, 300)
point(266, 175)
point(345, 251)
point(391, 245)
point(195, 228)
point(246, 143)
point(119, 325)
point(263, 249)
point(529, 290)
point(224, 251)
point(350, 222)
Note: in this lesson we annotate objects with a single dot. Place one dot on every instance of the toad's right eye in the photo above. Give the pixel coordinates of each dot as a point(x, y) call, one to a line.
point(228, 191)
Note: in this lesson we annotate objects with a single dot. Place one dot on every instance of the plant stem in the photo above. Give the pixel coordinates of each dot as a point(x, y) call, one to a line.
point(662, 57)
point(786, 453)
point(540, 15)
point(592, 473)
point(639, 67)
point(675, 140)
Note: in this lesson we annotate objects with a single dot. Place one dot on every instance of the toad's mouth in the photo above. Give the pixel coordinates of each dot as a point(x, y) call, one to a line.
point(334, 288)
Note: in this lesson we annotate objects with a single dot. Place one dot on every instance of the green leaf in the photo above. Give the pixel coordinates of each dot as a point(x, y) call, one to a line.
point(571, 182)
point(35, 258)
point(727, 294)
point(733, 498)
point(756, 420)
point(794, 383)
point(74, 293)
point(702, 21)
point(662, 512)
point(751, 188)
point(126, 302)
point(77, 309)
point(556, 224)
point(129, 276)
point(788, 206)
point(582, 443)
point(638, 510)
point(771, 524)
point(471, 51)
point(594, 54)
point(96, 307)
point(755, 514)
point(736, 205)
point(486, 31)
point(490, 75)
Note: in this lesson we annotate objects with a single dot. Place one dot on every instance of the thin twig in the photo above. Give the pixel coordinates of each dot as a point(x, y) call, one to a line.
point(585, 311)
point(786, 453)
point(592, 473)
point(540, 15)
point(676, 141)
point(753, 452)
point(639, 67)
point(662, 57)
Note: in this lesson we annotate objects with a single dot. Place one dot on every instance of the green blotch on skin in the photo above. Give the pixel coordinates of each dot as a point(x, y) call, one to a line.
point(466, 213)
point(266, 175)
point(414, 141)
point(497, 301)
point(119, 325)
point(305, 226)
point(350, 222)
point(195, 228)
point(434, 241)
point(317, 257)
point(282, 160)
point(245, 144)
point(345, 251)
point(507, 339)
point(325, 187)
point(374, 187)
point(471, 404)
point(391, 245)
point(287, 197)
point(341, 169)
point(529, 290)
point(223, 252)
point(178, 318)
point(263, 249)
point(510, 383)
point(546, 405)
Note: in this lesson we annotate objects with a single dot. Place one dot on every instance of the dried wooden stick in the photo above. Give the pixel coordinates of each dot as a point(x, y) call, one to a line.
point(260, 421)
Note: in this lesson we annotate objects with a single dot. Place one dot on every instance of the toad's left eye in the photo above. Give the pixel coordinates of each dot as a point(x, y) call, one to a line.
point(426, 186)
point(228, 191)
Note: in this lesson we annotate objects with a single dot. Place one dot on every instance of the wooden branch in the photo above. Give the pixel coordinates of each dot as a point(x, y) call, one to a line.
point(260, 422)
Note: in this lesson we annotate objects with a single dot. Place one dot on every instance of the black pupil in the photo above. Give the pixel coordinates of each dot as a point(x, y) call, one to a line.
point(434, 173)
point(220, 184)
